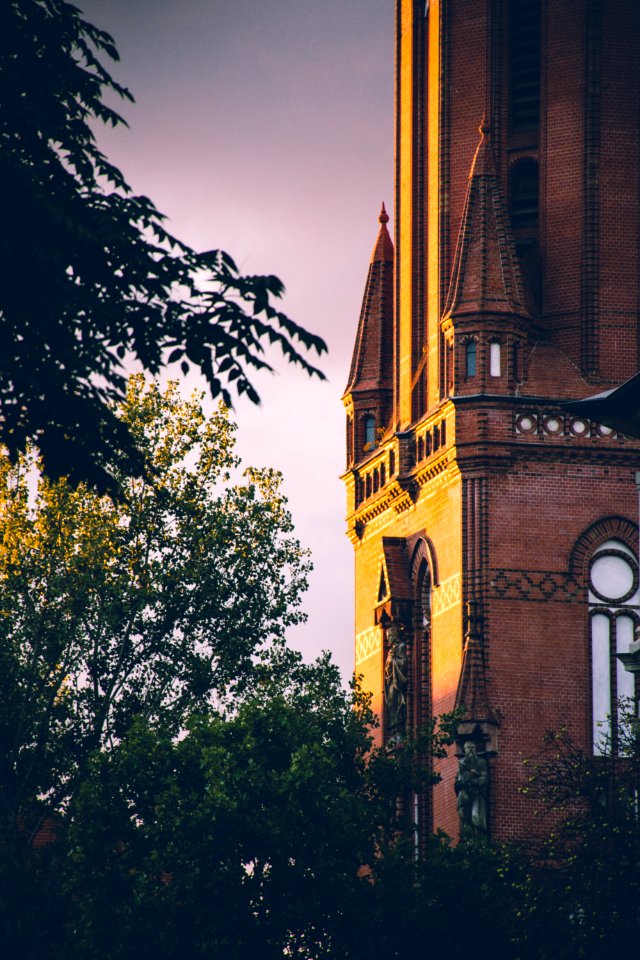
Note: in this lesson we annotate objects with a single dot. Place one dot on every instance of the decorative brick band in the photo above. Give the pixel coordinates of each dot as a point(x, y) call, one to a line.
point(539, 585)
point(448, 594)
point(368, 643)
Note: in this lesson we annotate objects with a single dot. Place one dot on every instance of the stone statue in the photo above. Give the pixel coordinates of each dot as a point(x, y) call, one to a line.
point(395, 681)
point(472, 781)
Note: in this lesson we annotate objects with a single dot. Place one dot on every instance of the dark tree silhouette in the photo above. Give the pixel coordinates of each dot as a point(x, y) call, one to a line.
point(88, 274)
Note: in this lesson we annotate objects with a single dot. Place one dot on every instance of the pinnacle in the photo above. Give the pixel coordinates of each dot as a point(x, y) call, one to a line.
point(370, 369)
point(383, 250)
point(483, 162)
point(486, 274)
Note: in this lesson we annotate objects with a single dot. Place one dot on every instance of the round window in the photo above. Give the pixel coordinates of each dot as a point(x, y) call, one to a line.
point(614, 576)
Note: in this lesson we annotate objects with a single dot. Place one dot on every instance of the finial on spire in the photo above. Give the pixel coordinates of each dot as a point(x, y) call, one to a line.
point(384, 216)
point(485, 125)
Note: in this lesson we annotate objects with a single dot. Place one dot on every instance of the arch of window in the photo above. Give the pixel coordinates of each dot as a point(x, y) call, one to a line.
point(614, 607)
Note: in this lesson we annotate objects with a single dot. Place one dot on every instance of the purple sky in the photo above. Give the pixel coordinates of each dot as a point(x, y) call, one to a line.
point(265, 128)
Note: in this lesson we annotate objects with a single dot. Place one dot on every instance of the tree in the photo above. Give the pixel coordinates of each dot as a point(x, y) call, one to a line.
point(199, 785)
point(582, 896)
point(242, 839)
point(169, 598)
point(261, 832)
point(89, 277)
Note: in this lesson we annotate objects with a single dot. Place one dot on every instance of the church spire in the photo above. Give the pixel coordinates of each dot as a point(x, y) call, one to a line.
point(371, 366)
point(486, 276)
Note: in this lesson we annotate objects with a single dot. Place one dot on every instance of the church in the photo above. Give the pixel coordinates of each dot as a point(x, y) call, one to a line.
point(495, 528)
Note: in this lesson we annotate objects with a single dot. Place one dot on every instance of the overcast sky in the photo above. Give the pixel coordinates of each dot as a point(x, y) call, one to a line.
point(265, 127)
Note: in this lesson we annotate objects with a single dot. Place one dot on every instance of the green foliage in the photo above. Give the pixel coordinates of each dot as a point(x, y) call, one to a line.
point(237, 840)
point(162, 601)
point(88, 274)
point(271, 830)
point(582, 897)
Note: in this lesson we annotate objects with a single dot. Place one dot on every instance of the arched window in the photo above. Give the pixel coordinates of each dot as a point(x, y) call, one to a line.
point(470, 359)
point(369, 430)
point(613, 615)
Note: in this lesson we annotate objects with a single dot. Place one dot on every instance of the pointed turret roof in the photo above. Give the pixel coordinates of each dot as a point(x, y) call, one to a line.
point(371, 366)
point(486, 276)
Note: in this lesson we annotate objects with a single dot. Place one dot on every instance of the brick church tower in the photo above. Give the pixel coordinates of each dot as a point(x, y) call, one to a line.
point(495, 533)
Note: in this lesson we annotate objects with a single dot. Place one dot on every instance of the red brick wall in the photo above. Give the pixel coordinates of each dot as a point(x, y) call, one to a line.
point(504, 509)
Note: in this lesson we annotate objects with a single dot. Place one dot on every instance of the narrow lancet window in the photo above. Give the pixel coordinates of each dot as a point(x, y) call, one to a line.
point(494, 359)
point(369, 431)
point(470, 359)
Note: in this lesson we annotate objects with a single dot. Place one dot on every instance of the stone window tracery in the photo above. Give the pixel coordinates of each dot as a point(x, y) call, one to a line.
point(614, 600)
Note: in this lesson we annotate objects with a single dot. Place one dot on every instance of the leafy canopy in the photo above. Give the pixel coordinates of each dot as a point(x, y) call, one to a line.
point(88, 274)
point(266, 831)
point(201, 789)
point(160, 602)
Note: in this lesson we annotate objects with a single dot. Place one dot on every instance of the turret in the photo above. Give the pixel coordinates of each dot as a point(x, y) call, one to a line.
point(369, 393)
point(487, 316)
